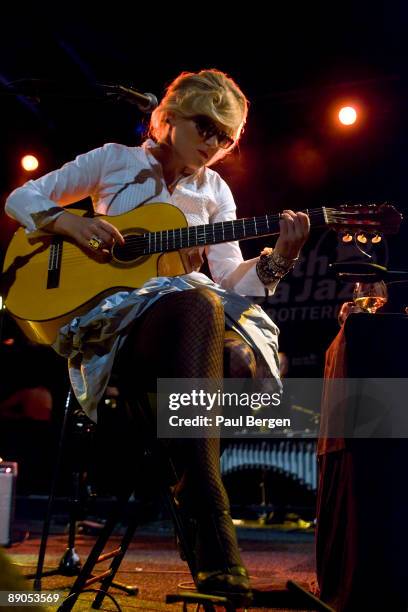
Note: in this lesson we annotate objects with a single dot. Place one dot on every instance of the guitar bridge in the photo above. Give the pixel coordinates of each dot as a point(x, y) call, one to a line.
point(54, 262)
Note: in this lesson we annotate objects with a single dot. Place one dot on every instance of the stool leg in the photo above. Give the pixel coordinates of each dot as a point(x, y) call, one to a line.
point(93, 557)
point(159, 459)
point(47, 521)
point(108, 581)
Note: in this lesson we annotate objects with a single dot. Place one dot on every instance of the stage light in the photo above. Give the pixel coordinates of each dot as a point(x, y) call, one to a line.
point(347, 115)
point(29, 163)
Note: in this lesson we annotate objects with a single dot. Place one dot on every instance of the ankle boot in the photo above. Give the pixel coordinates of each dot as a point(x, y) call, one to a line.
point(232, 583)
point(220, 570)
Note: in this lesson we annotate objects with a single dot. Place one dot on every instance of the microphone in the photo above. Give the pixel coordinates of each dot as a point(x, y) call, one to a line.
point(146, 102)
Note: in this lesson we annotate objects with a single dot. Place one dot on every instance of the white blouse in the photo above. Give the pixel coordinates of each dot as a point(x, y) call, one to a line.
point(120, 178)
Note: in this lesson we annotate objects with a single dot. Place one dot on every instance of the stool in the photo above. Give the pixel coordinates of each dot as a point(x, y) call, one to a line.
point(85, 578)
point(156, 458)
point(70, 564)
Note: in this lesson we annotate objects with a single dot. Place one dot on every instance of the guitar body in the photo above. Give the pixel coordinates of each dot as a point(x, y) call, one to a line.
point(83, 279)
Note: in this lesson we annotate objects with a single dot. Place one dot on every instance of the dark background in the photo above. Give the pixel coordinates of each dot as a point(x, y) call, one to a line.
point(296, 63)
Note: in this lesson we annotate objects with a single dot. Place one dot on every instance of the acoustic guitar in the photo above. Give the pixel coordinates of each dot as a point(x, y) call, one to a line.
point(48, 279)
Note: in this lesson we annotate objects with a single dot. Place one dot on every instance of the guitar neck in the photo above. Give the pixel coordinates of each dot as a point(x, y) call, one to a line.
point(223, 231)
point(373, 219)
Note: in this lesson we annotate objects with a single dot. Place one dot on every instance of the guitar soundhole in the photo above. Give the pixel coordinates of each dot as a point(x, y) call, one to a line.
point(131, 251)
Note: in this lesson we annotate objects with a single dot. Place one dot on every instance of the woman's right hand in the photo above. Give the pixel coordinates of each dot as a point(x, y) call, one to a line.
point(82, 229)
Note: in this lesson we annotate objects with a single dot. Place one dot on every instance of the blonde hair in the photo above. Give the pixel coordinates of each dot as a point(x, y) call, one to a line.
point(208, 92)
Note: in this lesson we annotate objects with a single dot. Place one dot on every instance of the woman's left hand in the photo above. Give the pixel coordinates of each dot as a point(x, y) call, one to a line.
point(294, 230)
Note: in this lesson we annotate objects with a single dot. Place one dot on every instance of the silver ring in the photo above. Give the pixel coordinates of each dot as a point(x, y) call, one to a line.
point(95, 243)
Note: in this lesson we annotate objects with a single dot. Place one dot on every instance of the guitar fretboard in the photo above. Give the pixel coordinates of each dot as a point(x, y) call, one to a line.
point(212, 233)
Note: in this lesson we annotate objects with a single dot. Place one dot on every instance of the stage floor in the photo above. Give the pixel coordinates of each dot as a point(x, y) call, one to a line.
point(273, 555)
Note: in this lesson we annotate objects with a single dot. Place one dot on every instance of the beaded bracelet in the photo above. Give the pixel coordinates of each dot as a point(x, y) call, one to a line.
point(272, 267)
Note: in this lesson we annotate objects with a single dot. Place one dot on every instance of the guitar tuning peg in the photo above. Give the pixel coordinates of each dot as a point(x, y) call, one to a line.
point(376, 238)
point(362, 238)
point(346, 237)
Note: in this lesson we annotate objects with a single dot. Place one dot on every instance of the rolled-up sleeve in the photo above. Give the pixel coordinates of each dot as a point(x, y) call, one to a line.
point(38, 202)
point(227, 265)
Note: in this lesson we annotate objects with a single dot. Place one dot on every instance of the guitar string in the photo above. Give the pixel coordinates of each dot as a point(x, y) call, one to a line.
point(138, 248)
point(188, 233)
point(256, 221)
point(136, 251)
point(136, 245)
point(220, 228)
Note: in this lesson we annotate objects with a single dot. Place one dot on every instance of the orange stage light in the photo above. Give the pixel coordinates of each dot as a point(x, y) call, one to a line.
point(347, 115)
point(29, 163)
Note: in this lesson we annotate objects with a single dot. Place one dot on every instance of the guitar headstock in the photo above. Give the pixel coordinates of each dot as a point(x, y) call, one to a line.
point(367, 221)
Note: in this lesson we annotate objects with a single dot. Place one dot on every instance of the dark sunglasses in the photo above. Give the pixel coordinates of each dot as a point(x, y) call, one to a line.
point(207, 128)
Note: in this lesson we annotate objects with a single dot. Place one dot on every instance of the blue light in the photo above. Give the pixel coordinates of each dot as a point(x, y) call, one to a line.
point(140, 128)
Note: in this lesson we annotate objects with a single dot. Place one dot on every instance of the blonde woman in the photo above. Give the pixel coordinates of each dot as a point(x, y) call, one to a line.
point(178, 324)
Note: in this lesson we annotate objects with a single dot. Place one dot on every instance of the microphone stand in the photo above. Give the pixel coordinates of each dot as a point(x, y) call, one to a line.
point(348, 271)
point(36, 89)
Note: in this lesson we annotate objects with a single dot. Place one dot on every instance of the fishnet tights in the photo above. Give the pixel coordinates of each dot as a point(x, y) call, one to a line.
point(183, 336)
